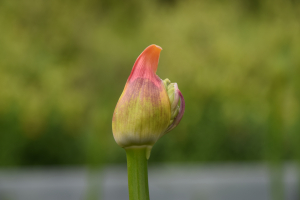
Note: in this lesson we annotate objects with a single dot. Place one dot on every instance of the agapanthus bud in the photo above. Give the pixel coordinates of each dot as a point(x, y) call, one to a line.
point(173, 97)
point(176, 110)
point(148, 106)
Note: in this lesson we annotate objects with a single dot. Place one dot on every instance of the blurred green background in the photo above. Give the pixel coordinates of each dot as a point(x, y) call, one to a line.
point(63, 66)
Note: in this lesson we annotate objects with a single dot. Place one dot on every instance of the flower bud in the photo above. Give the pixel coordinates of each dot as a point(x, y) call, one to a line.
point(176, 110)
point(148, 107)
point(173, 97)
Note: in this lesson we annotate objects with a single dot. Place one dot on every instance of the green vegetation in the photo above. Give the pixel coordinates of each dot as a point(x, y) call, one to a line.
point(63, 66)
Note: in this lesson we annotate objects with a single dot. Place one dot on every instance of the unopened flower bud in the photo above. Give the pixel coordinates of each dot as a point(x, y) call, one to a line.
point(148, 106)
point(173, 97)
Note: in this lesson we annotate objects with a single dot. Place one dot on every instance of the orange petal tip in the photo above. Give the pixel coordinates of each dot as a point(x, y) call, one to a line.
point(147, 62)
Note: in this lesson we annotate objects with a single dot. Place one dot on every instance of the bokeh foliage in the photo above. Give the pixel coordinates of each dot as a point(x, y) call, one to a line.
point(63, 66)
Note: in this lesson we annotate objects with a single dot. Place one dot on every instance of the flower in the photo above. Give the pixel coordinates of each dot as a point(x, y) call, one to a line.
point(148, 107)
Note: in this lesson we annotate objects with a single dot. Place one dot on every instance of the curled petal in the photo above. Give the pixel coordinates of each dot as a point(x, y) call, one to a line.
point(174, 98)
point(180, 114)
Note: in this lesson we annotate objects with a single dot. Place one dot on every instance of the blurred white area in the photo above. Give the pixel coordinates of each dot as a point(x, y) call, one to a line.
point(166, 182)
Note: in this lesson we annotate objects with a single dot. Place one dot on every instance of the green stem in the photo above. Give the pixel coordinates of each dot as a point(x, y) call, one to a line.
point(137, 173)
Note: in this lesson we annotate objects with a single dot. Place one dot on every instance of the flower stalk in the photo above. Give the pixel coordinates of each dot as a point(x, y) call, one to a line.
point(137, 173)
